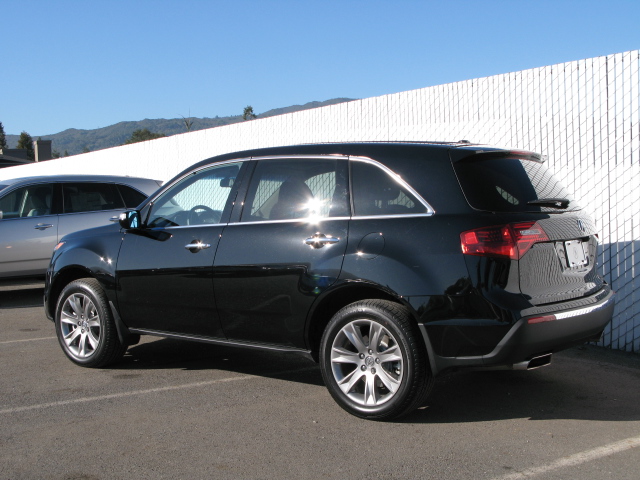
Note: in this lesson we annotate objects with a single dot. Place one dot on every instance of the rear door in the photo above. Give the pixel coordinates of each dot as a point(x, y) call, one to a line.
point(28, 230)
point(284, 247)
point(88, 205)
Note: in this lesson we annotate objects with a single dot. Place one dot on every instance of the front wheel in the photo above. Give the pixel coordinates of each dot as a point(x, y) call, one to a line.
point(84, 325)
point(373, 360)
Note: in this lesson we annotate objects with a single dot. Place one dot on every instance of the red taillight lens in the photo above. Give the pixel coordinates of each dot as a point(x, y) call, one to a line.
point(510, 241)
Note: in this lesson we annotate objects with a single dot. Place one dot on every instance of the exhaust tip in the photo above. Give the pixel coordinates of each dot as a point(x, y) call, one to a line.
point(535, 362)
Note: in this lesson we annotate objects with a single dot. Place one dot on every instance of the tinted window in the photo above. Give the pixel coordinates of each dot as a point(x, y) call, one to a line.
point(509, 185)
point(32, 201)
point(375, 192)
point(132, 198)
point(90, 197)
point(198, 199)
point(297, 188)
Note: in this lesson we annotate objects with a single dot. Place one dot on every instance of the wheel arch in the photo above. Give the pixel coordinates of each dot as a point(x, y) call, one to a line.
point(340, 296)
point(62, 279)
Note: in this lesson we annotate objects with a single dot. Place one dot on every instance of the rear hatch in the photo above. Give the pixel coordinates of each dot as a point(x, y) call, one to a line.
point(541, 227)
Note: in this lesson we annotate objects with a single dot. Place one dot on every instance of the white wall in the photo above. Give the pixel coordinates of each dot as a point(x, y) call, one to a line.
point(582, 114)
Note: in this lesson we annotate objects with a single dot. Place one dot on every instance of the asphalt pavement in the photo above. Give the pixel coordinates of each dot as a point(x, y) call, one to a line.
point(180, 410)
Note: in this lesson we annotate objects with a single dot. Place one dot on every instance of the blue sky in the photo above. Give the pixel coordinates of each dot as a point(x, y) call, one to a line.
point(92, 63)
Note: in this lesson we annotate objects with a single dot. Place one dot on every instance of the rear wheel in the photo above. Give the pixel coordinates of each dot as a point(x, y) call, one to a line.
point(85, 327)
point(373, 360)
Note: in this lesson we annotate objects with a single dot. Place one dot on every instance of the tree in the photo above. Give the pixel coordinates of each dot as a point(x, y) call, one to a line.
point(3, 138)
point(143, 135)
point(248, 113)
point(25, 141)
point(188, 123)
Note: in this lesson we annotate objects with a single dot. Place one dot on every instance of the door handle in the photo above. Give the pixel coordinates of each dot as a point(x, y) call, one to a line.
point(43, 226)
point(196, 246)
point(319, 240)
point(114, 219)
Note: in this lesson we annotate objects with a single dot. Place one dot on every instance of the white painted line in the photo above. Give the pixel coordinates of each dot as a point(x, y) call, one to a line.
point(26, 340)
point(133, 393)
point(576, 459)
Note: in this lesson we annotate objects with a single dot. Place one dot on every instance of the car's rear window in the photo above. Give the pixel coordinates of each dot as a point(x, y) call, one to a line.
point(511, 184)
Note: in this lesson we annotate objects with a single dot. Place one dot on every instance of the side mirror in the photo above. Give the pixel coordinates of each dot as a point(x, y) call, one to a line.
point(130, 219)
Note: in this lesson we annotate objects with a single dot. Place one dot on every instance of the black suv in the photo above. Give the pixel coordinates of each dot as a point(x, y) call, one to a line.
point(387, 263)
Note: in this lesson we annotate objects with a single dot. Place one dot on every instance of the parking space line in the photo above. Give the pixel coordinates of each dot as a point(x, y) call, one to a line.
point(27, 340)
point(576, 459)
point(111, 396)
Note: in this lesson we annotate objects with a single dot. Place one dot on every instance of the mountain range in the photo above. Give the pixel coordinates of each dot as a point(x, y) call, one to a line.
point(73, 141)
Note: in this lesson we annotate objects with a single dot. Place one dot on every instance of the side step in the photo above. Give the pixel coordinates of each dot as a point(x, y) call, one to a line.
point(535, 362)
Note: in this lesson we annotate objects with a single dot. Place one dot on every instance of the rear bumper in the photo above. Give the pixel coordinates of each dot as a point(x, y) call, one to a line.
point(538, 334)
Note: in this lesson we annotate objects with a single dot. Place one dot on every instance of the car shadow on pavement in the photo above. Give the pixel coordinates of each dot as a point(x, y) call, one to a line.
point(21, 297)
point(166, 353)
point(568, 389)
point(573, 387)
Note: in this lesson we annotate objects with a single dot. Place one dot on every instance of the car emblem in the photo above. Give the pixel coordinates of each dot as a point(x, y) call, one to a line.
point(581, 226)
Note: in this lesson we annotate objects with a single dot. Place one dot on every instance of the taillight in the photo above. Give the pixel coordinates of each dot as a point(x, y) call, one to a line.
point(510, 241)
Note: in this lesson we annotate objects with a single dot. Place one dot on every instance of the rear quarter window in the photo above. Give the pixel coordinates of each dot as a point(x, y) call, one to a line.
point(132, 198)
point(510, 184)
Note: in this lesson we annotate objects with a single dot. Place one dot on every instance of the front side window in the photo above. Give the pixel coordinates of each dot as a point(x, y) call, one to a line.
point(198, 199)
point(32, 201)
point(297, 189)
point(376, 193)
point(90, 197)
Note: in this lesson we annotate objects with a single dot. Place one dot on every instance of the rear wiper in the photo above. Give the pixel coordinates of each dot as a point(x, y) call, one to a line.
point(551, 202)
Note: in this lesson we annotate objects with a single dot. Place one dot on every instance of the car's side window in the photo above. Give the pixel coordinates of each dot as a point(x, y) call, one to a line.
point(90, 197)
point(297, 189)
point(132, 198)
point(31, 201)
point(376, 192)
point(198, 199)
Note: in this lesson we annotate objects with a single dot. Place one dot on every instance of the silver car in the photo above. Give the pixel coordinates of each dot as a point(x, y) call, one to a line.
point(35, 212)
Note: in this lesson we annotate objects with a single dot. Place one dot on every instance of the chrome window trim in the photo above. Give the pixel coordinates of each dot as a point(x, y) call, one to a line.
point(307, 220)
point(397, 215)
point(178, 227)
point(331, 156)
point(400, 181)
point(397, 178)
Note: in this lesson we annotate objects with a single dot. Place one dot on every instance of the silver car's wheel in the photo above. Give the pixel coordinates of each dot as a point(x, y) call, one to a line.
point(84, 325)
point(366, 362)
point(374, 361)
point(80, 325)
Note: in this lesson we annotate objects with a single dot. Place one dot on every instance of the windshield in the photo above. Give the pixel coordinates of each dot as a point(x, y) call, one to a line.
point(510, 184)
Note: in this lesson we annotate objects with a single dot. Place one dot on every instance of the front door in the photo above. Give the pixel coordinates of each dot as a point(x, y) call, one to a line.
point(165, 268)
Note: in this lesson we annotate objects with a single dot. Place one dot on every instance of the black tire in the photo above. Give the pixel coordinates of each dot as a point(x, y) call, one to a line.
point(374, 362)
point(85, 327)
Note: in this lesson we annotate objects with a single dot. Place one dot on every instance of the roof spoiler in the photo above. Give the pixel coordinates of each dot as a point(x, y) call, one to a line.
point(458, 155)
